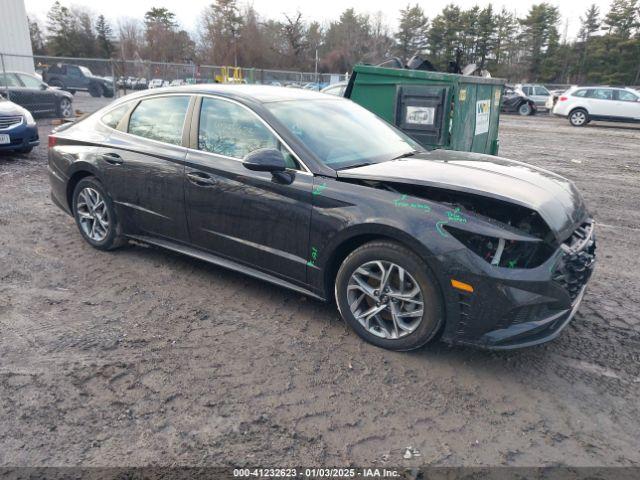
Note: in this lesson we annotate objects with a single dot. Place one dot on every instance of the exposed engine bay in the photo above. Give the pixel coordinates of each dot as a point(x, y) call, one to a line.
point(499, 252)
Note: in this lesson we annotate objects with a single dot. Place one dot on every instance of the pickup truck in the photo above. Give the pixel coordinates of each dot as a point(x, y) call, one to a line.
point(74, 78)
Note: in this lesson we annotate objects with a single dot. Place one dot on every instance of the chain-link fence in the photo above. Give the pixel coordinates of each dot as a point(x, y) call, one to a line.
point(95, 82)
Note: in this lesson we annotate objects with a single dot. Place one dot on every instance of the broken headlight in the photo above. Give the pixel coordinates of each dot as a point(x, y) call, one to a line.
point(501, 252)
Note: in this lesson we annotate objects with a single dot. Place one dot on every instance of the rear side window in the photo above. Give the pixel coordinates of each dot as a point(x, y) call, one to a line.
point(8, 80)
point(160, 119)
point(228, 129)
point(601, 93)
point(579, 93)
point(112, 119)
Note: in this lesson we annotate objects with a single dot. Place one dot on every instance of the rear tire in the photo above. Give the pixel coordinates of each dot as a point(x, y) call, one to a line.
point(95, 215)
point(524, 109)
point(409, 306)
point(578, 117)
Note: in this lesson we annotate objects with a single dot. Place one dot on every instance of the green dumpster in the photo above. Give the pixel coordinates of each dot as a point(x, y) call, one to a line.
point(438, 110)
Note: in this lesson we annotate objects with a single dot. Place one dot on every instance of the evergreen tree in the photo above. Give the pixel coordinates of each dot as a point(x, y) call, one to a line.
point(540, 39)
point(104, 37)
point(37, 37)
point(411, 35)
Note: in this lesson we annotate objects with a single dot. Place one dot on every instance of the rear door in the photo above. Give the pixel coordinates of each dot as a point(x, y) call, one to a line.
point(145, 166)
point(17, 94)
point(42, 100)
point(627, 104)
point(251, 217)
point(600, 102)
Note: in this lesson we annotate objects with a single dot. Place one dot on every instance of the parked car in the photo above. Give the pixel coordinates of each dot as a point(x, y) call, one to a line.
point(75, 78)
point(178, 82)
point(514, 101)
point(36, 96)
point(139, 84)
point(18, 129)
point(538, 93)
point(612, 104)
point(553, 97)
point(321, 196)
point(336, 89)
point(156, 83)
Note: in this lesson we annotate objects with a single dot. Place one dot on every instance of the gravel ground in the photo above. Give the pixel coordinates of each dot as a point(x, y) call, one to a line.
point(144, 357)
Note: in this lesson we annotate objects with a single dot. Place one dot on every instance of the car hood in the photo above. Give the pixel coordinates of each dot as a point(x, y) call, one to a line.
point(10, 108)
point(555, 198)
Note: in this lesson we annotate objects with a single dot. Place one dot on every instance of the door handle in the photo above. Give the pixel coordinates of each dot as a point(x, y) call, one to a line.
point(201, 179)
point(112, 158)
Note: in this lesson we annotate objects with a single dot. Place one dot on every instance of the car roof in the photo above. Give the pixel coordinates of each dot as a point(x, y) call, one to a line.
point(259, 93)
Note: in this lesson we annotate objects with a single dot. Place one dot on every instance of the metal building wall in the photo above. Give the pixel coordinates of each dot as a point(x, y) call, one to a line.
point(14, 36)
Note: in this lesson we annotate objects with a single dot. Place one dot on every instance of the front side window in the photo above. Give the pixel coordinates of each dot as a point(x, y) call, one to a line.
point(112, 118)
point(541, 91)
point(160, 119)
point(341, 133)
point(625, 96)
point(29, 81)
point(601, 93)
point(229, 129)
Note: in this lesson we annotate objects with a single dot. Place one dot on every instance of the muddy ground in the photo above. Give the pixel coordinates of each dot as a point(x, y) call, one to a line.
point(144, 357)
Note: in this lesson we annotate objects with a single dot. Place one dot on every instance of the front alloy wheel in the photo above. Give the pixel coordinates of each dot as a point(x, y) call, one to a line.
point(389, 296)
point(385, 299)
point(65, 108)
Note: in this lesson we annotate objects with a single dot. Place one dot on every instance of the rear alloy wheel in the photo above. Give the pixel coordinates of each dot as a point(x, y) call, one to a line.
point(387, 295)
point(65, 108)
point(95, 215)
point(524, 109)
point(578, 118)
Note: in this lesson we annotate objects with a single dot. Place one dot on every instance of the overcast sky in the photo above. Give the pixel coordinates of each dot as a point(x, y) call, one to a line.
point(187, 11)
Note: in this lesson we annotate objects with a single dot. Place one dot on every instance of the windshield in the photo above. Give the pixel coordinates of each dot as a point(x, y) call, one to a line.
point(340, 133)
point(86, 71)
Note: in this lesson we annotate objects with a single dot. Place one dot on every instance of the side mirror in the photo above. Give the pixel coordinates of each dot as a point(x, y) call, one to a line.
point(265, 160)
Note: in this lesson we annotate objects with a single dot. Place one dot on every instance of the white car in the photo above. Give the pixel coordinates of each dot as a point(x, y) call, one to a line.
point(156, 83)
point(583, 104)
point(336, 89)
point(177, 83)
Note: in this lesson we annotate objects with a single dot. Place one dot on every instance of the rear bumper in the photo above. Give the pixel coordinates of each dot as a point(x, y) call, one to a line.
point(21, 137)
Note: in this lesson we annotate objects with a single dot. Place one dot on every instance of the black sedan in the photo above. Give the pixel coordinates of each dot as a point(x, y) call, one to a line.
point(314, 193)
point(514, 101)
point(18, 130)
point(36, 96)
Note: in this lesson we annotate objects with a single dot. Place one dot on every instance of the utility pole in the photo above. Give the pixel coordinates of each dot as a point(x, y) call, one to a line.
point(316, 70)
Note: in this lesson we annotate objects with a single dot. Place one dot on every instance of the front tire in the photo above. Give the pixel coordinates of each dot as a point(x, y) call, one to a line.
point(95, 90)
point(65, 108)
point(388, 295)
point(95, 215)
point(578, 117)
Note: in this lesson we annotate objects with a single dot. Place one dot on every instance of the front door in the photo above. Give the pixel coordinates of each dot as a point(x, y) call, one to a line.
point(627, 104)
point(251, 217)
point(145, 168)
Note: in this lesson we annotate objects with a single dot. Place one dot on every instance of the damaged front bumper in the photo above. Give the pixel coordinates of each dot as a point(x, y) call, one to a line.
point(514, 308)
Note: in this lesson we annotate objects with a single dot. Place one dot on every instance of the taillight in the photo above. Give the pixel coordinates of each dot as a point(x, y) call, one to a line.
point(52, 141)
point(563, 99)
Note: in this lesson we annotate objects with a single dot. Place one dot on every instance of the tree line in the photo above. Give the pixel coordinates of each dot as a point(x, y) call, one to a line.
point(533, 47)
